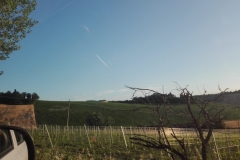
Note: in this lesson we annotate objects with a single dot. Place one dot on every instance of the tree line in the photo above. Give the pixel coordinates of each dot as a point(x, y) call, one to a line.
point(155, 98)
point(159, 98)
point(17, 98)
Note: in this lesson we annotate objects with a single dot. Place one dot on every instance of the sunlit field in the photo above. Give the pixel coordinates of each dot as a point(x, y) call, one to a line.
point(55, 113)
point(84, 142)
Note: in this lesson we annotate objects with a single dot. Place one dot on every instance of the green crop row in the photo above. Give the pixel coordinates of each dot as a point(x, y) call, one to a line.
point(56, 112)
point(84, 142)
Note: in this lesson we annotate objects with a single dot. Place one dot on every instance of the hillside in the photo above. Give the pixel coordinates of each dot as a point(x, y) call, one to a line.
point(55, 113)
point(232, 98)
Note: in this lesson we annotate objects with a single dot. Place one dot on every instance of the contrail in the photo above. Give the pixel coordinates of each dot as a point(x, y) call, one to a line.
point(60, 10)
point(102, 61)
point(87, 29)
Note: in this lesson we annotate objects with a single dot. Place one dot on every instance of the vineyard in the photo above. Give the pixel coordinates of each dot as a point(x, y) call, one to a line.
point(84, 142)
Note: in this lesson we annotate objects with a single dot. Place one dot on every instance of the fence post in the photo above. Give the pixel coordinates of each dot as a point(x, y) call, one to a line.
point(124, 137)
point(131, 134)
point(49, 135)
point(215, 146)
point(98, 131)
point(111, 134)
point(227, 143)
point(80, 130)
point(87, 136)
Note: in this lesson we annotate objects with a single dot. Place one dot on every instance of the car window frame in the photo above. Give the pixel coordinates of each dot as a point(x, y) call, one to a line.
point(11, 148)
point(18, 142)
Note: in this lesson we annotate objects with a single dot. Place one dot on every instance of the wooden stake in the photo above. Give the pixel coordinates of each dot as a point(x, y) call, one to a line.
point(49, 135)
point(68, 118)
point(87, 136)
point(124, 137)
point(216, 146)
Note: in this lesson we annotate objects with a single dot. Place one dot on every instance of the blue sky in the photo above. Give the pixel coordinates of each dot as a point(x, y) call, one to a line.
point(89, 50)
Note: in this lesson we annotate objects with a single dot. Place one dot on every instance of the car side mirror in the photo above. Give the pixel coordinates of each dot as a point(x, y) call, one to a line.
point(10, 138)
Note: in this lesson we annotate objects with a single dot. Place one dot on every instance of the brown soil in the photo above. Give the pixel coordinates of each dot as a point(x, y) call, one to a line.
point(18, 115)
point(233, 124)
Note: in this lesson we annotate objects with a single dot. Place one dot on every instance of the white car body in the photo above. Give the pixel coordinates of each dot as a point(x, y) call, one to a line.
point(18, 151)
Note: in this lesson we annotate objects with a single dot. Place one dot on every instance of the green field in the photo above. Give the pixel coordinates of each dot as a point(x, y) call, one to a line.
point(55, 113)
point(81, 142)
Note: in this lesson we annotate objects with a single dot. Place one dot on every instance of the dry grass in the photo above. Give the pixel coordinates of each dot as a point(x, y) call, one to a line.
point(18, 115)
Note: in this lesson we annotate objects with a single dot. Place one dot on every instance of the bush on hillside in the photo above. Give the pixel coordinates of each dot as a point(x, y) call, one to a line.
point(97, 119)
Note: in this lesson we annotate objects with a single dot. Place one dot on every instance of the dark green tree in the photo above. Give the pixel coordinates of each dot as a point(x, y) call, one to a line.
point(16, 97)
point(14, 24)
point(95, 119)
point(8, 98)
point(29, 98)
point(24, 95)
point(35, 97)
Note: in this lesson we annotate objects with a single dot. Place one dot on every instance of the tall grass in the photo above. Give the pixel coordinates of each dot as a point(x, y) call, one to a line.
point(79, 142)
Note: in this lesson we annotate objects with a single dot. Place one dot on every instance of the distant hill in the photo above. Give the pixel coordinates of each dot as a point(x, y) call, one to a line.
point(124, 114)
point(231, 98)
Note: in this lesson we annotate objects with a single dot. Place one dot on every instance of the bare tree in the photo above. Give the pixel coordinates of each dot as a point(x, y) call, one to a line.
point(207, 113)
